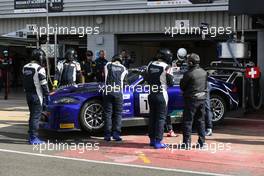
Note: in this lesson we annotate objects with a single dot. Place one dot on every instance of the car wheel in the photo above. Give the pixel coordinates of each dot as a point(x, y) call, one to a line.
point(91, 117)
point(218, 106)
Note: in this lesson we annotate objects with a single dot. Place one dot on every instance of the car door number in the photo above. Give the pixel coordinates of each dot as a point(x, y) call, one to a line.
point(143, 104)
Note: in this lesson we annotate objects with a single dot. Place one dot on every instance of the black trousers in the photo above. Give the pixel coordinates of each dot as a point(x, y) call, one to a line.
point(35, 109)
point(113, 107)
point(168, 124)
point(194, 110)
point(158, 114)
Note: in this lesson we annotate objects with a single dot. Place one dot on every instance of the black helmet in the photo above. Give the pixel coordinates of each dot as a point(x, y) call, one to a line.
point(71, 54)
point(39, 56)
point(116, 58)
point(89, 53)
point(165, 54)
point(193, 59)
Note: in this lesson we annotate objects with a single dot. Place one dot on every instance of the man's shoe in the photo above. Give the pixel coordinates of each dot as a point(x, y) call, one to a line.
point(209, 132)
point(185, 146)
point(159, 145)
point(152, 142)
point(201, 141)
point(187, 143)
point(171, 134)
point(107, 137)
point(116, 136)
point(199, 145)
point(35, 141)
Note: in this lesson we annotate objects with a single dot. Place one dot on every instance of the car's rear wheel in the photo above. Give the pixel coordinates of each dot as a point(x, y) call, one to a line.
point(91, 116)
point(218, 106)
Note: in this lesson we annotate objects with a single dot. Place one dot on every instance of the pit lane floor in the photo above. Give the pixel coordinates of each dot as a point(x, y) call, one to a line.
point(236, 148)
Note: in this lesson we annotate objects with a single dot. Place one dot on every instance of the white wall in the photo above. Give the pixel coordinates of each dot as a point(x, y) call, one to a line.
point(106, 42)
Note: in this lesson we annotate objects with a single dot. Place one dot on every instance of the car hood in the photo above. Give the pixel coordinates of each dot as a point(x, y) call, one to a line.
point(79, 88)
point(219, 82)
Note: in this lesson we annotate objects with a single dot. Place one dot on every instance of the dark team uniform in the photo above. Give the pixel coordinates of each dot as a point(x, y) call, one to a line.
point(88, 70)
point(194, 87)
point(158, 76)
point(113, 99)
point(100, 64)
point(36, 88)
point(67, 72)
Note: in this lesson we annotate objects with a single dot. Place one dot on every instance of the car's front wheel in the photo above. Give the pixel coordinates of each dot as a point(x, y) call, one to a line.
point(218, 106)
point(91, 116)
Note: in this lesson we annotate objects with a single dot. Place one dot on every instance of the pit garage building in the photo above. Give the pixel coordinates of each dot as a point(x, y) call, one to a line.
point(138, 26)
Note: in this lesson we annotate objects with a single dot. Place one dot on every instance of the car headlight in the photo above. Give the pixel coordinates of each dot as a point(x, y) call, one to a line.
point(66, 100)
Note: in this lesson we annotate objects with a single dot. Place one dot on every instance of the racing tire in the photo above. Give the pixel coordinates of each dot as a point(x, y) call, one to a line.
point(91, 116)
point(218, 107)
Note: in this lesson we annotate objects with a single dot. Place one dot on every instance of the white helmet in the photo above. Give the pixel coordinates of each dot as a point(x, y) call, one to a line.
point(181, 54)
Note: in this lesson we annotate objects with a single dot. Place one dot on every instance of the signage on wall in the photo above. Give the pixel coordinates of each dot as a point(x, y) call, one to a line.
point(182, 24)
point(35, 6)
point(177, 2)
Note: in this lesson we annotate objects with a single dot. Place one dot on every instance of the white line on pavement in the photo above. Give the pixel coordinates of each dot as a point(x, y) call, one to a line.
point(110, 163)
point(244, 119)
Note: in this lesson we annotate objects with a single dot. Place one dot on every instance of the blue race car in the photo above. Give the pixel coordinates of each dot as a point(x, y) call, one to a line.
point(79, 107)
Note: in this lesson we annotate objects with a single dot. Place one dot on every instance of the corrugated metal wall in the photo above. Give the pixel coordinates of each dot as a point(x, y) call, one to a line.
point(137, 23)
point(95, 6)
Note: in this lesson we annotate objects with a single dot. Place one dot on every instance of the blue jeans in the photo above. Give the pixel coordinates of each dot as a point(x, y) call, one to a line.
point(35, 109)
point(208, 113)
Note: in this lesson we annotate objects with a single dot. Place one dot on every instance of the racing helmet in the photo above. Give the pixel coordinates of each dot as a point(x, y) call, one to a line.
point(71, 54)
point(165, 54)
point(193, 59)
point(181, 54)
point(5, 53)
point(39, 56)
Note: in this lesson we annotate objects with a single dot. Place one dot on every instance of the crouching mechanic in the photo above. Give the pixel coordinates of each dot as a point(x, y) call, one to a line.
point(115, 74)
point(194, 87)
point(68, 71)
point(36, 88)
point(159, 77)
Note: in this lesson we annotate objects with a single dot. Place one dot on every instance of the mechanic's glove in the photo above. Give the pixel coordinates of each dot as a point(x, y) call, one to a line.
point(82, 79)
point(55, 84)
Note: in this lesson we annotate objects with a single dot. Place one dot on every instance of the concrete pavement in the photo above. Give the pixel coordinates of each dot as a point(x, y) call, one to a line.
point(236, 148)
